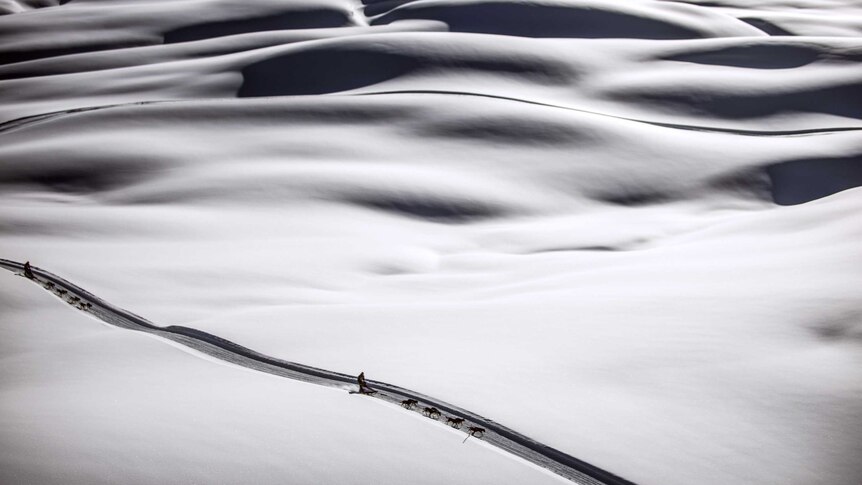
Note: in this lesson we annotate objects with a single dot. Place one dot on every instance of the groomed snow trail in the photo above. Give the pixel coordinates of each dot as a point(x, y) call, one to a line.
point(495, 434)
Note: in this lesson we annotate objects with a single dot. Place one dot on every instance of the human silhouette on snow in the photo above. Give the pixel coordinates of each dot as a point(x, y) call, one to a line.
point(28, 271)
point(363, 387)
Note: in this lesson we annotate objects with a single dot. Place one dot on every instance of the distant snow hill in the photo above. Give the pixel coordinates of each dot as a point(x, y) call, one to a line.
point(628, 229)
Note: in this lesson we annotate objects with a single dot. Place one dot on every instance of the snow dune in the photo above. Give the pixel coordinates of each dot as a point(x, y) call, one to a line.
point(645, 212)
point(660, 81)
point(569, 18)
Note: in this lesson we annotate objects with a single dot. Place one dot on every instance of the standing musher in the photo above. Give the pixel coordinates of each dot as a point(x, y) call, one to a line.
point(28, 271)
point(363, 386)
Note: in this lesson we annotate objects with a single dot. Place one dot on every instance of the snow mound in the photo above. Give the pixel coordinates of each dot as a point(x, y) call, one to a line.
point(580, 18)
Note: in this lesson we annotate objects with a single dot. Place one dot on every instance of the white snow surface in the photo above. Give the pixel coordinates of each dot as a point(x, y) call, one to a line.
point(84, 403)
point(627, 229)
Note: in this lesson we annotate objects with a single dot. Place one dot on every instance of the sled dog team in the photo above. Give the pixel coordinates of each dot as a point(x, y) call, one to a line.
point(430, 412)
point(364, 388)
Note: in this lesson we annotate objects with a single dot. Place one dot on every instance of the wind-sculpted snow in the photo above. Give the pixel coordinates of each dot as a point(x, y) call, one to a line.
point(15, 6)
point(652, 81)
point(314, 18)
point(164, 174)
point(99, 26)
point(578, 18)
point(774, 54)
point(627, 229)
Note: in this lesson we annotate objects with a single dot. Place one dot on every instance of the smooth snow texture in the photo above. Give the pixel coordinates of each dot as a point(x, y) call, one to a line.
point(628, 229)
point(82, 403)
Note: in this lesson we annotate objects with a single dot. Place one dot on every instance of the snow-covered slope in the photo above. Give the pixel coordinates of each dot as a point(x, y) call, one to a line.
point(628, 229)
point(84, 403)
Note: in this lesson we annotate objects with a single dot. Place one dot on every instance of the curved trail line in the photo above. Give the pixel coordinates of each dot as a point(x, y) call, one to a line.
point(676, 126)
point(495, 434)
point(25, 121)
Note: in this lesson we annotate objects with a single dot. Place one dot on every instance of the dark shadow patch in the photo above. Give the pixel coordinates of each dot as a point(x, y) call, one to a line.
point(762, 56)
point(800, 181)
point(73, 180)
point(581, 248)
point(23, 54)
point(431, 209)
point(346, 65)
point(322, 71)
point(844, 328)
point(765, 26)
point(301, 19)
point(748, 183)
point(633, 197)
point(840, 100)
point(374, 8)
point(326, 113)
point(503, 130)
point(535, 20)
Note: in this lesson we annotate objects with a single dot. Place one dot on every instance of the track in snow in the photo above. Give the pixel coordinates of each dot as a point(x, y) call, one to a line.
point(23, 122)
point(496, 434)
